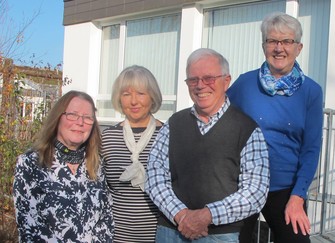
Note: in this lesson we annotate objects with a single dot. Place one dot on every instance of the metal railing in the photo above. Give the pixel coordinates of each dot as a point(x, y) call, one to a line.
point(321, 194)
point(321, 199)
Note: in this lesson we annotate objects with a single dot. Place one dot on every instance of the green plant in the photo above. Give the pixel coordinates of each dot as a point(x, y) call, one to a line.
point(15, 138)
point(17, 131)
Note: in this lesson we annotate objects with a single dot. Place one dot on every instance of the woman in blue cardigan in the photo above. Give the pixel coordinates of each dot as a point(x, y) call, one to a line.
point(287, 105)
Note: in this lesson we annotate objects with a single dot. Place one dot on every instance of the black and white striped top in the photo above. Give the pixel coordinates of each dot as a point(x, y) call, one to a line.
point(135, 215)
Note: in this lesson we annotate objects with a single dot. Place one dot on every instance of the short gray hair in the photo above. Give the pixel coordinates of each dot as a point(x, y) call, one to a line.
point(279, 21)
point(206, 52)
point(139, 78)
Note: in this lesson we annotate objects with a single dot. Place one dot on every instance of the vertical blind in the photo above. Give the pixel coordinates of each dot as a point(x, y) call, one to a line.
point(109, 61)
point(314, 17)
point(108, 69)
point(154, 44)
point(150, 42)
point(234, 31)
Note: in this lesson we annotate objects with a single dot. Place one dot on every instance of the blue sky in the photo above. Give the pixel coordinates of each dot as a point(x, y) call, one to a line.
point(44, 37)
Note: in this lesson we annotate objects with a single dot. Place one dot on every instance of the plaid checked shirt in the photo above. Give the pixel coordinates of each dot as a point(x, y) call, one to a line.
point(253, 182)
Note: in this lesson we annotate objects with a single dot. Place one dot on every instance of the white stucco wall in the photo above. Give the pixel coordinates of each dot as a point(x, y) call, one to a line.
point(82, 45)
point(82, 49)
point(191, 30)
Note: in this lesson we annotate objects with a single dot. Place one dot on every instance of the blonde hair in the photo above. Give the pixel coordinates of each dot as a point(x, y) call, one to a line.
point(139, 78)
point(45, 142)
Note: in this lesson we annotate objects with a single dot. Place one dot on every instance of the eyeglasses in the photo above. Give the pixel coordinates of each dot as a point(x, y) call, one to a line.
point(285, 42)
point(74, 117)
point(193, 81)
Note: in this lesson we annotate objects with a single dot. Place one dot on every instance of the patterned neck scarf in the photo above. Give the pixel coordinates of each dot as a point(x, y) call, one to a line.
point(70, 156)
point(285, 85)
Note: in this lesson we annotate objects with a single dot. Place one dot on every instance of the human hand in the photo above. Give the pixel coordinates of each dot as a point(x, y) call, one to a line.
point(194, 224)
point(295, 214)
point(180, 216)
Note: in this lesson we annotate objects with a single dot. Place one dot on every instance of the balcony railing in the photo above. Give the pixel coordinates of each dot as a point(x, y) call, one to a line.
point(321, 199)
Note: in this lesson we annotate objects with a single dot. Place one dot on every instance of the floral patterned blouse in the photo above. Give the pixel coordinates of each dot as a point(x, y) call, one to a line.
point(54, 205)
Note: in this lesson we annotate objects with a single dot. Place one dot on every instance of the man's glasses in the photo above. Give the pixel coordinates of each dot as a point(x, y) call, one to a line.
point(193, 81)
point(74, 117)
point(285, 42)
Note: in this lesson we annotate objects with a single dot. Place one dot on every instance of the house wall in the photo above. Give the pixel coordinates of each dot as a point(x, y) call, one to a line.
point(79, 11)
point(85, 19)
point(81, 57)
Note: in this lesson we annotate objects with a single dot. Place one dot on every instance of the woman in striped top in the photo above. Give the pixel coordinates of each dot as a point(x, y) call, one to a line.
point(125, 150)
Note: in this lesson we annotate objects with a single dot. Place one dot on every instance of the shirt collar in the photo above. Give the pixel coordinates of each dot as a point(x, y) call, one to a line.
point(216, 115)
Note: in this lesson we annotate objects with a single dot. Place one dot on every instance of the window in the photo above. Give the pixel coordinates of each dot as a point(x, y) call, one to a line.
point(149, 42)
point(234, 32)
point(314, 18)
point(109, 69)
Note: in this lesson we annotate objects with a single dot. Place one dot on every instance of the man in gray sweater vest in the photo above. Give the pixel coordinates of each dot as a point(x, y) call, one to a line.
point(208, 168)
